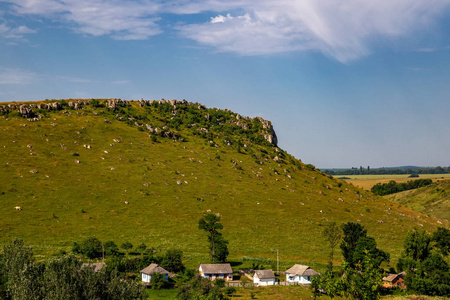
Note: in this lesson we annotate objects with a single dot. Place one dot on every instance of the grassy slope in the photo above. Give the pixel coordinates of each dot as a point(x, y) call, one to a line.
point(66, 201)
point(368, 181)
point(433, 200)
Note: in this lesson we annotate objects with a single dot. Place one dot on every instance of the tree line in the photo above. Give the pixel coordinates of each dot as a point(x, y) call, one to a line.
point(388, 171)
point(393, 187)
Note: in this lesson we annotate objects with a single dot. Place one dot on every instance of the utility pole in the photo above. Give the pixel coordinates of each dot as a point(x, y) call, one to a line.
point(278, 263)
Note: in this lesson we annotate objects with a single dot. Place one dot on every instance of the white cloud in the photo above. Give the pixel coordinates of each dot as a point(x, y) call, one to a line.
point(343, 29)
point(123, 20)
point(15, 76)
point(9, 32)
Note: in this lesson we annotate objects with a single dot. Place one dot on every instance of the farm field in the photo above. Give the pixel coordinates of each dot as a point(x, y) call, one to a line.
point(368, 181)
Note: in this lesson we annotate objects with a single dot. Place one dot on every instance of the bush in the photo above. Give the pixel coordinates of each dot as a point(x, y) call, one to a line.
point(91, 247)
point(220, 282)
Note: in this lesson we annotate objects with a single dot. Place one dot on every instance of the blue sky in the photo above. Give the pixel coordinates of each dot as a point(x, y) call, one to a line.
point(345, 83)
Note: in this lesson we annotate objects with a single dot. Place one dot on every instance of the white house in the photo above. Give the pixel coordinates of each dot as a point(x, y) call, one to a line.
point(264, 277)
point(301, 274)
point(216, 271)
point(153, 268)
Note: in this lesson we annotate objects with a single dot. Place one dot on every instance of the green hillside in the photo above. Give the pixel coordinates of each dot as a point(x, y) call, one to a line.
point(433, 200)
point(72, 168)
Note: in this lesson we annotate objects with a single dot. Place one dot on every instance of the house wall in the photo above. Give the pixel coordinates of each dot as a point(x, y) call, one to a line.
point(258, 281)
point(299, 279)
point(146, 277)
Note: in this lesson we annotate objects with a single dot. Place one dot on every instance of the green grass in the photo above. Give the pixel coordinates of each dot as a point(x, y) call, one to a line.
point(433, 200)
point(265, 205)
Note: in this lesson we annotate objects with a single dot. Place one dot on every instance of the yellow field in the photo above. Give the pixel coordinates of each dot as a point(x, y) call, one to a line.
point(368, 181)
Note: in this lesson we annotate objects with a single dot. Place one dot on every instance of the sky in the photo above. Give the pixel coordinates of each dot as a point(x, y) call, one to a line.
point(346, 83)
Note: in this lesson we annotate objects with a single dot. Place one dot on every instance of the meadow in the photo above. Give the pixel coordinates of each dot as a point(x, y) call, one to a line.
point(74, 171)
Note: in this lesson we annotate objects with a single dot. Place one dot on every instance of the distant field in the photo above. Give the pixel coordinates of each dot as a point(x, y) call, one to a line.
point(368, 181)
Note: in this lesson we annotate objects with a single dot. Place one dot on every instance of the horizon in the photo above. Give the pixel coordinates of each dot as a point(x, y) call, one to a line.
point(340, 82)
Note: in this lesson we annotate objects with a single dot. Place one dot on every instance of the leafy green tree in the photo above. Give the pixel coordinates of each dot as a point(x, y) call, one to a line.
point(352, 233)
point(427, 270)
point(159, 281)
point(127, 246)
point(333, 235)
point(23, 276)
point(366, 246)
point(442, 239)
point(62, 279)
point(199, 288)
point(91, 247)
point(141, 248)
point(111, 248)
point(218, 246)
point(363, 281)
point(173, 261)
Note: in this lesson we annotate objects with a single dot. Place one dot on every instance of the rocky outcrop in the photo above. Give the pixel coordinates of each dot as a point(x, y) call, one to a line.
point(114, 103)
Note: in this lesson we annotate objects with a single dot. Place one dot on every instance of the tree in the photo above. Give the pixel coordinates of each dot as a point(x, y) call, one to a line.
point(141, 249)
point(352, 233)
point(21, 273)
point(366, 246)
point(158, 281)
point(199, 288)
point(218, 246)
point(127, 246)
point(91, 247)
point(111, 248)
point(173, 261)
point(427, 270)
point(442, 239)
point(332, 234)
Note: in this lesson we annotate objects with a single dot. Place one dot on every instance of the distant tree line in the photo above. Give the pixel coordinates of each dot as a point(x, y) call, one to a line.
point(388, 171)
point(393, 187)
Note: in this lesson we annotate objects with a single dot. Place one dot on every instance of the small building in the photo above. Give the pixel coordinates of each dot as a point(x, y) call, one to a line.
point(394, 280)
point(96, 266)
point(216, 271)
point(264, 277)
point(153, 268)
point(300, 274)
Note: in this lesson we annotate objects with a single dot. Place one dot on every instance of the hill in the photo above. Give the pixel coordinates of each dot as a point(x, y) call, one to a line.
point(72, 165)
point(433, 200)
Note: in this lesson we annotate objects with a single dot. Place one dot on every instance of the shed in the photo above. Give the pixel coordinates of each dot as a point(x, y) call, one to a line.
point(394, 280)
point(264, 277)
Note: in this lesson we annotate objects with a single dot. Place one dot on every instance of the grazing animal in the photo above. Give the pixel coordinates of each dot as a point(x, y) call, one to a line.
point(18, 208)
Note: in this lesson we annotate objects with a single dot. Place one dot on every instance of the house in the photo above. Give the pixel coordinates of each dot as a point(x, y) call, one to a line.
point(264, 277)
point(96, 266)
point(215, 271)
point(394, 280)
point(153, 268)
point(300, 274)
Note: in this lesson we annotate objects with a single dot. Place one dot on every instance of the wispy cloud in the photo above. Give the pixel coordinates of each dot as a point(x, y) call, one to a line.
point(9, 32)
point(16, 76)
point(344, 30)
